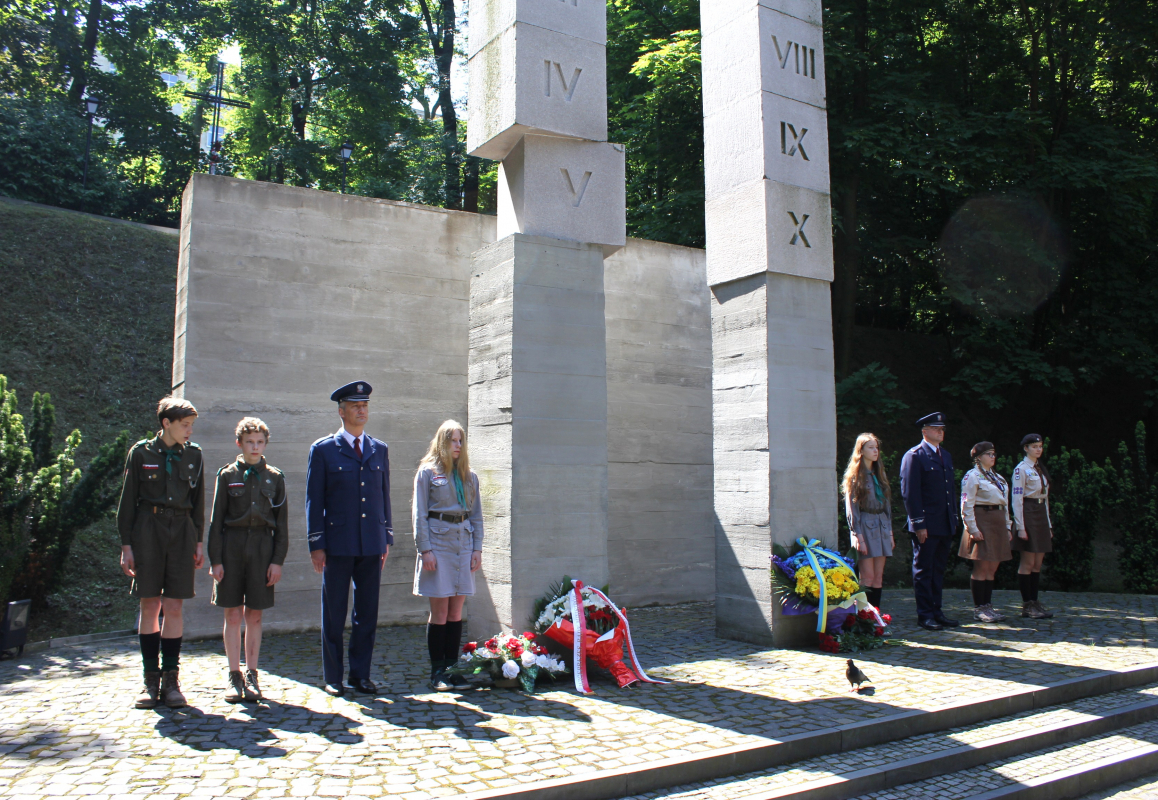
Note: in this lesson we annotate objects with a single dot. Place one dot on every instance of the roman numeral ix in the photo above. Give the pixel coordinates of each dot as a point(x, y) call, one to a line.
point(790, 142)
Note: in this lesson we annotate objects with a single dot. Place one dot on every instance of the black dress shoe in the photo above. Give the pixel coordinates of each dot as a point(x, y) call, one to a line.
point(931, 625)
point(945, 622)
point(365, 686)
point(334, 689)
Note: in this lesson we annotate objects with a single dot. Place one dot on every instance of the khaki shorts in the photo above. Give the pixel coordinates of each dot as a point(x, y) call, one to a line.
point(163, 549)
point(246, 554)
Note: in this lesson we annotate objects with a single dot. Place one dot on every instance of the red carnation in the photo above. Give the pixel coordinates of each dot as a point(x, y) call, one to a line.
point(528, 636)
point(879, 631)
point(887, 618)
point(470, 647)
point(848, 622)
point(491, 644)
point(540, 650)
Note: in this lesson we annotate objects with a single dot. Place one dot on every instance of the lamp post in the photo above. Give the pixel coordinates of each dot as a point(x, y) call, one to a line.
point(91, 106)
point(344, 152)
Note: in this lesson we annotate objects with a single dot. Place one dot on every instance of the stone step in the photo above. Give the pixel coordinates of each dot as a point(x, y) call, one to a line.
point(913, 767)
point(1063, 771)
point(867, 756)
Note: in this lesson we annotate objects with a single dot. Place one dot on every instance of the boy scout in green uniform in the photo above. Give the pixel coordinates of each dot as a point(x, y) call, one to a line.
point(248, 541)
point(161, 518)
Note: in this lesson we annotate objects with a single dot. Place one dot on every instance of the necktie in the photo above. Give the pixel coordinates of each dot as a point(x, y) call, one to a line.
point(358, 447)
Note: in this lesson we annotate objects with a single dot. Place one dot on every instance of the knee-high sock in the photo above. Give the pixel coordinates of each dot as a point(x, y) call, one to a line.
point(435, 643)
point(1024, 583)
point(989, 592)
point(452, 641)
point(170, 654)
point(1034, 583)
point(978, 589)
point(151, 651)
point(874, 596)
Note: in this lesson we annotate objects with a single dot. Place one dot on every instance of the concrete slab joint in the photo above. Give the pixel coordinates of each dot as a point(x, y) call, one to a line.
point(769, 263)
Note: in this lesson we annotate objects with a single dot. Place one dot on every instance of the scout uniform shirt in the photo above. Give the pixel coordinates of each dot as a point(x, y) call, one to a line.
point(160, 481)
point(1028, 483)
point(982, 489)
point(249, 497)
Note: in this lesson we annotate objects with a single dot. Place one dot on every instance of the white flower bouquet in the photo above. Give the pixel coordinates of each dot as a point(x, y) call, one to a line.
point(509, 658)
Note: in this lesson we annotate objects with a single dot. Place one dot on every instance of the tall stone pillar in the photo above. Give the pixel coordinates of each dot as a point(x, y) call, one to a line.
point(538, 354)
point(769, 262)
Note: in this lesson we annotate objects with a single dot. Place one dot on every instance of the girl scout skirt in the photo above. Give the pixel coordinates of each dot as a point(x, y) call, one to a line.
point(1036, 527)
point(452, 544)
point(876, 529)
point(995, 544)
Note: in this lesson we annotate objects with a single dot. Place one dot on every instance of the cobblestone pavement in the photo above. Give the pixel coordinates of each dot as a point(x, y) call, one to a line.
point(67, 726)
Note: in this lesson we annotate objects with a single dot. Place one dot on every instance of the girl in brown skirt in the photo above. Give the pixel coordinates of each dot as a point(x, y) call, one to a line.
point(1034, 530)
point(987, 532)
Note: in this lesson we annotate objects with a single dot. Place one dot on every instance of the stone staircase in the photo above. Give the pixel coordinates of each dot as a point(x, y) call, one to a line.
point(1062, 741)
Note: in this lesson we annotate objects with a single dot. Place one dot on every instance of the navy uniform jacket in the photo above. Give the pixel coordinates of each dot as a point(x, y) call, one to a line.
point(928, 487)
point(347, 501)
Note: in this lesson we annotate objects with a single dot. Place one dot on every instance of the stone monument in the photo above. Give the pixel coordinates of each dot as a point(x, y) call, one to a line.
point(537, 360)
point(769, 263)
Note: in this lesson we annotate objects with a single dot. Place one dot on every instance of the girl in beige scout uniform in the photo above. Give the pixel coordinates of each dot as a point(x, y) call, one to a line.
point(987, 530)
point(1034, 530)
point(868, 506)
point(248, 542)
point(448, 535)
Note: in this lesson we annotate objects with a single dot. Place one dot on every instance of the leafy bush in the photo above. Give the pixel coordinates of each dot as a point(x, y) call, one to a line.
point(42, 157)
point(868, 392)
point(1136, 513)
point(1077, 499)
point(44, 498)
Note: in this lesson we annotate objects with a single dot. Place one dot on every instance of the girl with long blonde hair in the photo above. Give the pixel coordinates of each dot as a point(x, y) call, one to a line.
point(869, 508)
point(448, 535)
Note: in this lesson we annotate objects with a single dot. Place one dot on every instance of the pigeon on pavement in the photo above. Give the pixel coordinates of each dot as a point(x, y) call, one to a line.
point(855, 676)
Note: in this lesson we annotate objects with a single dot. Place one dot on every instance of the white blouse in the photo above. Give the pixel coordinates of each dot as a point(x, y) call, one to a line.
point(979, 488)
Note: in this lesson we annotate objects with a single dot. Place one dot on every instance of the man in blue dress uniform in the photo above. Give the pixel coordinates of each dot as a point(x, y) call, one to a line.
point(350, 533)
point(929, 489)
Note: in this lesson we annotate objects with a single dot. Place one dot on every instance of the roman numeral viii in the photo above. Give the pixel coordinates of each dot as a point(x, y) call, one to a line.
point(802, 57)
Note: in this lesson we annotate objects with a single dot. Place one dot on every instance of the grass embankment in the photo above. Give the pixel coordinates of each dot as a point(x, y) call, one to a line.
point(86, 314)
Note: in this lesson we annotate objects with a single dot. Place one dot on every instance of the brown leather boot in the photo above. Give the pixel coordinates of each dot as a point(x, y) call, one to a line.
point(252, 689)
point(171, 690)
point(1045, 612)
point(236, 691)
point(1029, 609)
point(150, 691)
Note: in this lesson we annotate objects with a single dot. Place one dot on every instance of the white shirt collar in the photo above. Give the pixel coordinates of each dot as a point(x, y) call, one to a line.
point(351, 438)
point(931, 446)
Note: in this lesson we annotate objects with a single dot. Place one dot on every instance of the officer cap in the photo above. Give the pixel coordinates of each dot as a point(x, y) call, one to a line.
point(358, 390)
point(934, 420)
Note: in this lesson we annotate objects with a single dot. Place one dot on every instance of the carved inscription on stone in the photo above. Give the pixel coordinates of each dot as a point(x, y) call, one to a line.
point(792, 142)
point(792, 57)
point(795, 54)
point(798, 236)
point(556, 74)
point(577, 191)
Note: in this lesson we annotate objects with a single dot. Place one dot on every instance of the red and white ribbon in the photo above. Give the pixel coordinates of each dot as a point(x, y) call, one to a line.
point(579, 627)
point(627, 636)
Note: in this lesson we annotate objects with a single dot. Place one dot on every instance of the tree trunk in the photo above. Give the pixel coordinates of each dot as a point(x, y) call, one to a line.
point(470, 185)
point(442, 44)
point(81, 62)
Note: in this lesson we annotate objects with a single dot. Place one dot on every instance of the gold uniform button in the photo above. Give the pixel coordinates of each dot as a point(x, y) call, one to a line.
point(363, 516)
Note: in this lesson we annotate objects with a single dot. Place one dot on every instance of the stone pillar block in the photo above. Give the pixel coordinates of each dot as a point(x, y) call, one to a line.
point(775, 440)
point(562, 188)
point(530, 79)
point(538, 420)
point(769, 263)
point(583, 19)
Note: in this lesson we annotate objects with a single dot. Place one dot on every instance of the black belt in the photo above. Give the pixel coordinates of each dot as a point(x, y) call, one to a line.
point(454, 518)
point(1039, 500)
point(989, 508)
point(165, 511)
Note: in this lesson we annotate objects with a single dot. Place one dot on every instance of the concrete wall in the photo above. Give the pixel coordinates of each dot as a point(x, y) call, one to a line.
point(286, 293)
point(659, 415)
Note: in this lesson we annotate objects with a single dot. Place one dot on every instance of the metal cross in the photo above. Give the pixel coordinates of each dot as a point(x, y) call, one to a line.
point(215, 99)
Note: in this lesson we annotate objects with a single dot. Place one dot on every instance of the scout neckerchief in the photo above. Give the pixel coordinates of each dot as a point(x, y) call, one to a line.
point(877, 490)
point(993, 477)
point(251, 469)
point(171, 455)
point(459, 492)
